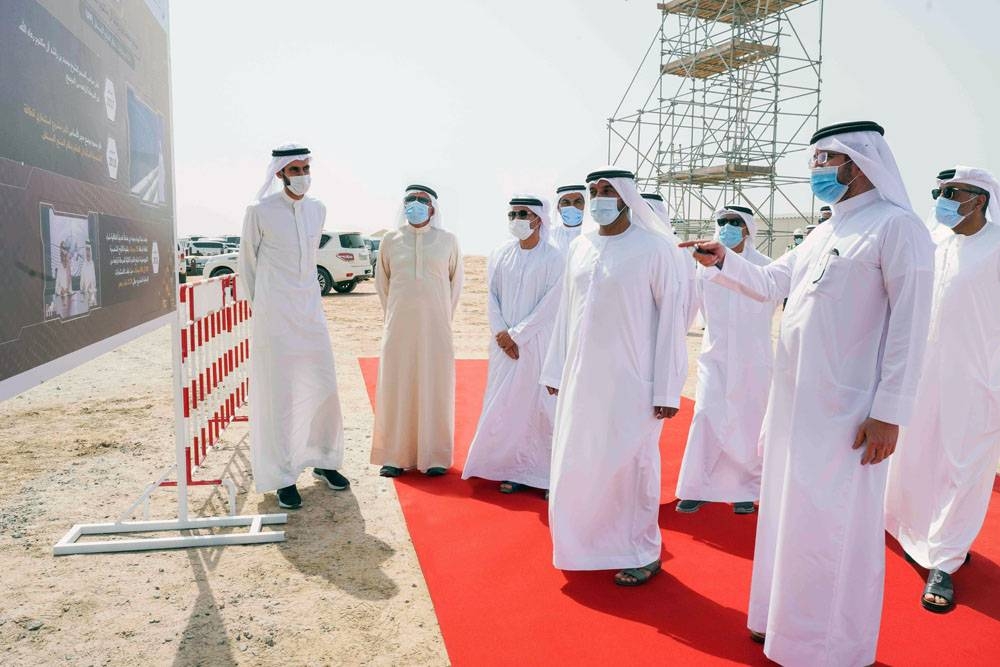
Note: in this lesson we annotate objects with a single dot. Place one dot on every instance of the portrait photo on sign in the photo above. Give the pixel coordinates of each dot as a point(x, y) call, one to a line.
point(71, 278)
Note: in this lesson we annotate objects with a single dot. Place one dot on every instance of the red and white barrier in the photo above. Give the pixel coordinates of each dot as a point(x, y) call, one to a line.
point(212, 381)
point(215, 357)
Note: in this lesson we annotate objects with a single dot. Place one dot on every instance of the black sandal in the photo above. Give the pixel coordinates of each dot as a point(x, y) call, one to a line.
point(390, 471)
point(758, 637)
point(640, 574)
point(436, 471)
point(511, 487)
point(938, 584)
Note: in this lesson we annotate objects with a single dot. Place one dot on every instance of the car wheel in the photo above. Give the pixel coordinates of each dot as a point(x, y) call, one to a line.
point(325, 280)
point(346, 286)
point(221, 271)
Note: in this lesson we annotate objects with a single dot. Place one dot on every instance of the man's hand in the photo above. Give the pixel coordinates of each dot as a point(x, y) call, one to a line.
point(879, 439)
point(706, 252)
point(661, 412)
point(552, 391)
point(504, 340)
point(508, 345)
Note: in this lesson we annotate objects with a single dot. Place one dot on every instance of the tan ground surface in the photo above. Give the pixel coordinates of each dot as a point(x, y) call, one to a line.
point(344, 589)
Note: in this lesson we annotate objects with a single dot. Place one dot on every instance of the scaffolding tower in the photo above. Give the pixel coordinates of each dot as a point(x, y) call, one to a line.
point(737, 92)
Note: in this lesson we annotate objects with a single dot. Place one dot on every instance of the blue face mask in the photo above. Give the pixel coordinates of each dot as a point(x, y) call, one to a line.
point(416, 213)
point(825, 185)
point(571, 215)
point(730, 235)
point(946, 212)
point(604, 210)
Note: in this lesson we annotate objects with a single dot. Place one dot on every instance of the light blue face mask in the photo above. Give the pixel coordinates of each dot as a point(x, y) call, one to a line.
point(946, 212)
point(416, 213)
point(604, 210)
point(825, 185)
point(571, 216)
point(730, 235)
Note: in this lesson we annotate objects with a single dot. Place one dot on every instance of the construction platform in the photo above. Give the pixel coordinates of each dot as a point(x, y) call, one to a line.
point(717, 174)
point(728, 11)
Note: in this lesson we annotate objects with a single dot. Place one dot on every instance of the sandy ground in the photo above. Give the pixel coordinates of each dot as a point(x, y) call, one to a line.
point(345, 588)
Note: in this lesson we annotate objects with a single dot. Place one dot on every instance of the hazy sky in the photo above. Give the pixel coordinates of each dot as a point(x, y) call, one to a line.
point(481, 99)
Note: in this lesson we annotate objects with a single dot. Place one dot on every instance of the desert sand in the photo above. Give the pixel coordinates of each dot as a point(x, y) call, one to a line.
point(345, 588)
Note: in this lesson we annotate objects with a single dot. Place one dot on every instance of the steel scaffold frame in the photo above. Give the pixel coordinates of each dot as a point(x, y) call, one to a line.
point(736, 93)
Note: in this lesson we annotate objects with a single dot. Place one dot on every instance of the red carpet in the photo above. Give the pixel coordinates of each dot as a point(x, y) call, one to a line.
point(488, 563)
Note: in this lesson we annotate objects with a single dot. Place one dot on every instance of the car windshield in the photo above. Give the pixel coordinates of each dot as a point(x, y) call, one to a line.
point(351, 241)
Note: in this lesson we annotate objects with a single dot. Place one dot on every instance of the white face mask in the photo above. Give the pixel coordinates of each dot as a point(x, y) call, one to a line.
point(520, 229)
point(604, 210)
point(299, 185)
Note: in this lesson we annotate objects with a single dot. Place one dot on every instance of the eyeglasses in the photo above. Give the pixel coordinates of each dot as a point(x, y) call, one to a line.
point(520, 215)
point(948, 192)
point(821, 158)
point(735, 222)
point(420, 198)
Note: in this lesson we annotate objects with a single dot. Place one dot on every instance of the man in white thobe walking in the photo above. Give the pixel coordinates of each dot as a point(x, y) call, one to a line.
point(618, 360)
point(295, 418)
point(941, 479)
point(722, 462)
point(845, 375)
point(513, 443)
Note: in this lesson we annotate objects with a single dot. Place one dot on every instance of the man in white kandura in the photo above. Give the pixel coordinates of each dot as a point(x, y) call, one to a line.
point(845, 375)
point(88, 276)
point(513, 443)
point(941, 479)
point(570, 203)
point(419, 280)
point(295, 418)
point(722, 462)
point(617, 360)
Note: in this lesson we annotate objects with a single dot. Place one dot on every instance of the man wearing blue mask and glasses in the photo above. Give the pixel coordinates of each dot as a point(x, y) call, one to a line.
point(618, 360)
point(419, 281)
point(846, 372)
point(941, 479)
point(721, 460)
point(570, 204)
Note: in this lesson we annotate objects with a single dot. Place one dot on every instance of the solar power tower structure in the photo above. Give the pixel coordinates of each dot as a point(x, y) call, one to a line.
point(737, 92)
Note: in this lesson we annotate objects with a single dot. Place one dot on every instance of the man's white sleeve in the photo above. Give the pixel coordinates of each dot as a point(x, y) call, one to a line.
point(908, 273)
point(246, 263)
point(760, 283)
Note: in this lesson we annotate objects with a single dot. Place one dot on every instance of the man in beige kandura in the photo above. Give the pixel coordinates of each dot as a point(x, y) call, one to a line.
point(419, 280)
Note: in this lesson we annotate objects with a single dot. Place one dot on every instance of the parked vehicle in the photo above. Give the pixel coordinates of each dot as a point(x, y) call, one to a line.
point(349, 249)
point(181, 264)
point(341, 262)
point(199, 251)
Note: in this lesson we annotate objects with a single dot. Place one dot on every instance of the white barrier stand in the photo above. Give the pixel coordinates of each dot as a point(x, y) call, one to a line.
point(211, 350)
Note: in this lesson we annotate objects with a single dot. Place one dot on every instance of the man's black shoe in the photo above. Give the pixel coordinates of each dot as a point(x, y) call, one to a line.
point(289, 498)
point(333, 479)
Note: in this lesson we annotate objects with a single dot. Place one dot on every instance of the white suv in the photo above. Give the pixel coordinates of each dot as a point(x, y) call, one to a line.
point(342, 261)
